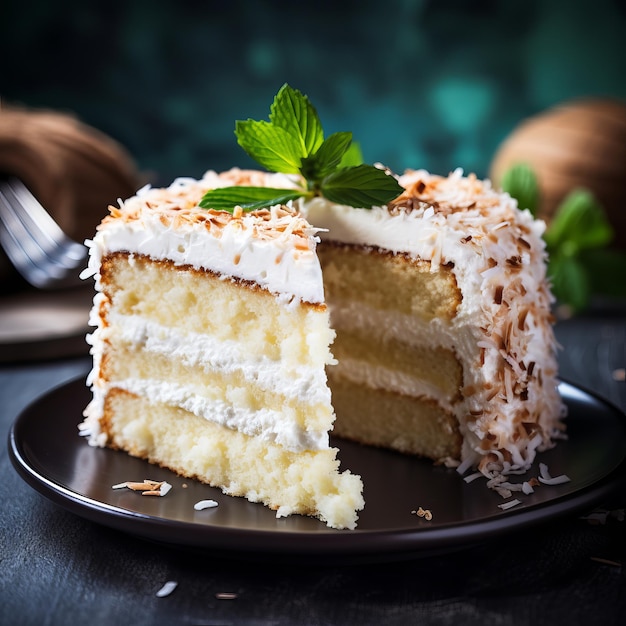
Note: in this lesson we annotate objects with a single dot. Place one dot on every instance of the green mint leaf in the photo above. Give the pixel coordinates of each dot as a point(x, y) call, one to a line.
point(248, 198)
point(578, 224)
point(327, 157)
point(570, 281)
point(292, 142)
point(362, 186)
point(294, 113)
point(273, 147)
point(520, 183)
point(353, 156)
point(605, 264)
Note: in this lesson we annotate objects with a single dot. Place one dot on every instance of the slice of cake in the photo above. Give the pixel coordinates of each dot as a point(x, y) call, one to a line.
point(210, 349)
point(441, 307)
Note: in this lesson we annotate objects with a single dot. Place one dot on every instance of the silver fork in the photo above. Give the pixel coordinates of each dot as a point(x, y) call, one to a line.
point(40, 251)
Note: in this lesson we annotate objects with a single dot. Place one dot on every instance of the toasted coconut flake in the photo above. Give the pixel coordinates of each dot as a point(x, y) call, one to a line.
point(205, 504)
point(425, 513)
point(547, 479)
point(619, 374)
point(147, 487)
point(509, 505)
point(166, 589)
point(226, 595)
point(556, 480)
point(610, 562)
point(472, 477)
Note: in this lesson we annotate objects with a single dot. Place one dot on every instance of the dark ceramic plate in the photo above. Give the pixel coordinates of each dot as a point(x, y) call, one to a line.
point(49, 454)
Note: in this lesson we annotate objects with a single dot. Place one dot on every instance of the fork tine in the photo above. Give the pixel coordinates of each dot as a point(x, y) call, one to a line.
point(33, 240)
point(14, 250)
point(44, 231)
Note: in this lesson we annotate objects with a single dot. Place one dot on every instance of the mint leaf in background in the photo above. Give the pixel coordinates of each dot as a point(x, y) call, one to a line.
point(608, 268)
point(353, 156)
point(576, 239)
point(248, 198)
point(579, 224)
point(273, 147)
point(360, 186)
point(570, 281)
point(521, 183)
point(293, 112)
point(327, 157)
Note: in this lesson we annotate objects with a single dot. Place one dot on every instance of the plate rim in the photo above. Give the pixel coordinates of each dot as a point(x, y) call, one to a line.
point(370, 543)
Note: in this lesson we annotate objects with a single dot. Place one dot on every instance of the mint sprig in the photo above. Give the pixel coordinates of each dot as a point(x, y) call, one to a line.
point(293, 142)
point(579, 263)
point(521, 183)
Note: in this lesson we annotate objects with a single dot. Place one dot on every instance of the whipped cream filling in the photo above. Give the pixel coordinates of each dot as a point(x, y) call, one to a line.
point(267, 424)
point(304, 383)
point(435, 333)
point(380, 377)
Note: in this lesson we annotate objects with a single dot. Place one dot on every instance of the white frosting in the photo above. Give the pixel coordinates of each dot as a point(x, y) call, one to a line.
point(274, 250)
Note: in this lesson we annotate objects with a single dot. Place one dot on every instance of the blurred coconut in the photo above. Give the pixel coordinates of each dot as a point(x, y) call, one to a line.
point(74, 170)
point(577, 144)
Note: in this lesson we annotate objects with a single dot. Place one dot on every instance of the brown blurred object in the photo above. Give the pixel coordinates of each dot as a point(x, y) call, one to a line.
point(576, 144)
point(74, 170)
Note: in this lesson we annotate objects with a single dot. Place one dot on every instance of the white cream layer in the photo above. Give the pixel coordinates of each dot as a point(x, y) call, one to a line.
point(380, 377)
point(303, 384)
point(195, 350)
point(266, 424)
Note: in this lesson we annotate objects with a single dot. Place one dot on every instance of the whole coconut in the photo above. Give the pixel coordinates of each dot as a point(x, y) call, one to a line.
point(576, 144)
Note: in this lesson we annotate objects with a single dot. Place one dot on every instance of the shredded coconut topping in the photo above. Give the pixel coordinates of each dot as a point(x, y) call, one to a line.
point(502, 331)
point(178, 204)
point(274, 247)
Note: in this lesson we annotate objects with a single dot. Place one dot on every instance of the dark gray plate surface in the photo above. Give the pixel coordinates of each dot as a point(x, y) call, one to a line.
point(48, 453)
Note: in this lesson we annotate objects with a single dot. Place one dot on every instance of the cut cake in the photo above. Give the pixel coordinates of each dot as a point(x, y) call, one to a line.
point(212, 336)
point(443, 320)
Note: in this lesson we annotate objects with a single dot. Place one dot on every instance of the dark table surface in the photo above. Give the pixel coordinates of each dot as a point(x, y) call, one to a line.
point(58, 568)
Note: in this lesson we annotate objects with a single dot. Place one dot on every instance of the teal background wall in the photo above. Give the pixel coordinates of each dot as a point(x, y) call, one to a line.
point(423, 83)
